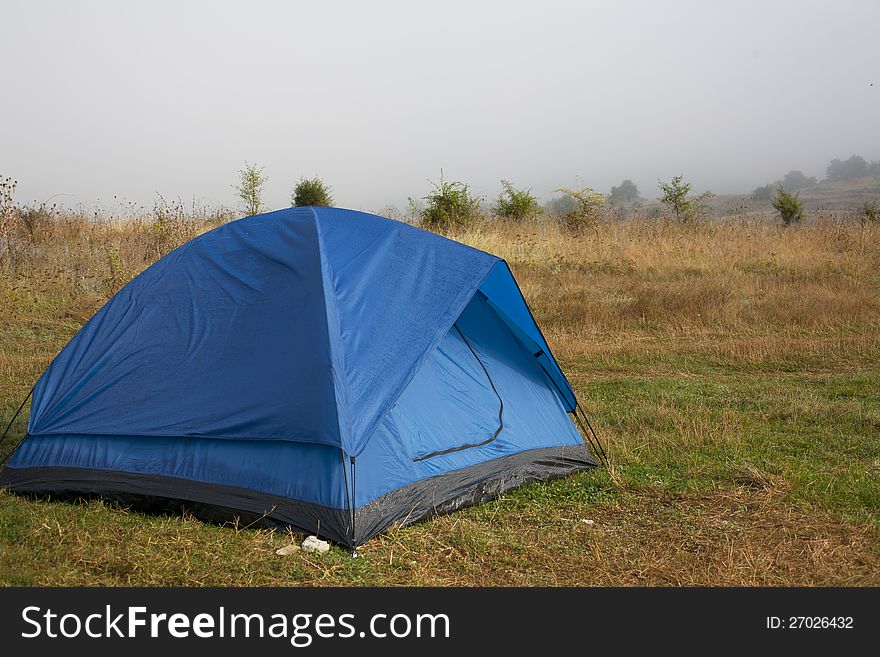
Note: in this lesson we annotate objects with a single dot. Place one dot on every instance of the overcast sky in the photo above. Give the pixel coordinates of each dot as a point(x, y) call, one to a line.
point(133, 98)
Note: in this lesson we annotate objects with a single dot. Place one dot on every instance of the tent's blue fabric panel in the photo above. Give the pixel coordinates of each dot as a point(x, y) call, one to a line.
point(450, 403)
point(300, 471)
point(224, 337)
point(505, 296)
point(398, 290)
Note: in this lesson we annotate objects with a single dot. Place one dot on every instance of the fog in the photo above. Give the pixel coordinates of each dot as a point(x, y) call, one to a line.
point(104, 99)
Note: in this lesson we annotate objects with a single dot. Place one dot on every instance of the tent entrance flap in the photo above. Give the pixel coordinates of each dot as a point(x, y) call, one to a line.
point(451, 404)
point(500, 408)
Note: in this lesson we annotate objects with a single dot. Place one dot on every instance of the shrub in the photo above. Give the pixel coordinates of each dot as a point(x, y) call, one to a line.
point(763, 193)
point(870, 212)
point(450, 205)
point(625, 192)
point(250, 189)
point(585, 211)
point(676, 196)
point(311, 192)
point(515, 203)
point(788, 205)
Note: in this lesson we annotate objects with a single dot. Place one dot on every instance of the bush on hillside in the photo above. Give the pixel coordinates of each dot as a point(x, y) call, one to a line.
point(311, 192)
point(625, 192)
point(560, 205)
point(795, 180)
point(870, 212)
point(788, 205)
point(762, 193)
point(513, 203)
point(586, 206)
point(853, 167)
point(449, 206)
point(677, 197)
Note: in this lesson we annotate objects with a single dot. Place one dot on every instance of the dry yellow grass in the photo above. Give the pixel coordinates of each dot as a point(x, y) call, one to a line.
point(732, 274)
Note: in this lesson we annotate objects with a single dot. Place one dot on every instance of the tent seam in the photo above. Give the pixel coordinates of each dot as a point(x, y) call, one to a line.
point(335, 353)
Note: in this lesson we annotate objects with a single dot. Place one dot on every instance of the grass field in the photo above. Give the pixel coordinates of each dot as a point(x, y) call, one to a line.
point(731, 367)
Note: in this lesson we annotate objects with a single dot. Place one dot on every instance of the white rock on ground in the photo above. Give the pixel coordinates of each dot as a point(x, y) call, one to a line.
point(315, 544)
point(287, 549)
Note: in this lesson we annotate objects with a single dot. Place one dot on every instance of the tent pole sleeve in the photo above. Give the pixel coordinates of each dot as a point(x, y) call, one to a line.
point(347, 493)
point(9, 426)
point(354, 501)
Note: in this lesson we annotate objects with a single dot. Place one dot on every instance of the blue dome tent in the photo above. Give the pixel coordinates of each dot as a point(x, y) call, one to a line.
point(322, 368)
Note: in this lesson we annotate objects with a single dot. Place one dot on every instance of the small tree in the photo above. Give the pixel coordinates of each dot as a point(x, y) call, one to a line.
point(515, 203)
point(250, 189)
point(788, 205)
point(854, 167)
point(625, 192)
point(311, 192)
point(795, 180)
point(560, 206)
point(676, 195)
point(450, 205)
point(585, 213)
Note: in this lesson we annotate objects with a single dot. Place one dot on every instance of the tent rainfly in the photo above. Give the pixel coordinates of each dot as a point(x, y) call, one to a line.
point(321, 368)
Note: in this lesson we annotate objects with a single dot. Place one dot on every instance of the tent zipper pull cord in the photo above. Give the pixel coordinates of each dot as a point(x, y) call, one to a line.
point(9, 426)
point(595, 443)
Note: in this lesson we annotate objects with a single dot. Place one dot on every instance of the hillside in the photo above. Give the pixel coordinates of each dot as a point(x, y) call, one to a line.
point(839, 196)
